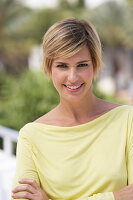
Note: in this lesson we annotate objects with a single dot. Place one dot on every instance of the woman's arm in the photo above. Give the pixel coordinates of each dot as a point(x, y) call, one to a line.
point(26, 169)
point(29, 190)
point(125, 193)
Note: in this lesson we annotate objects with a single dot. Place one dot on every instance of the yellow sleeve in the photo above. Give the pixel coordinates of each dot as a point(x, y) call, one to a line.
point(25, 167)
point(130, 150)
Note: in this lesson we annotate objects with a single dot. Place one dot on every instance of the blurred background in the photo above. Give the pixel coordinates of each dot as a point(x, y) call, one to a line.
point(25, 93)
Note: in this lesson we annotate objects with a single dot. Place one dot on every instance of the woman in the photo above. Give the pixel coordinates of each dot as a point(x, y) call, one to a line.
point(82, 149)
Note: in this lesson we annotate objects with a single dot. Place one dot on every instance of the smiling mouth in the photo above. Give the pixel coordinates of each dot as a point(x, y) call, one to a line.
point(73, 87)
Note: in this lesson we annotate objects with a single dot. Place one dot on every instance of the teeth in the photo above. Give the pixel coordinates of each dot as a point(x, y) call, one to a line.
point(74, 87)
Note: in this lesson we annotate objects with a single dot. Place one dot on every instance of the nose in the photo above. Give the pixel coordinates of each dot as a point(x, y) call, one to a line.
point(72, 76)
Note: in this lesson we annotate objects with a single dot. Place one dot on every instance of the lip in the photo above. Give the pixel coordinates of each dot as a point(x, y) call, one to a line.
point(73, 90)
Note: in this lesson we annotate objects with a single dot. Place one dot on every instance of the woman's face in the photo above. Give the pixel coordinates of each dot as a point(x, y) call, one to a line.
point(72, 77)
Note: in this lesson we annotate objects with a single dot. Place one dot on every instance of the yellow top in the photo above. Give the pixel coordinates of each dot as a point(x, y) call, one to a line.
point(83, 162)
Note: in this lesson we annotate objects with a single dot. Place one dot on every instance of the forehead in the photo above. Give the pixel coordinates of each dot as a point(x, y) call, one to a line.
point(82, 54)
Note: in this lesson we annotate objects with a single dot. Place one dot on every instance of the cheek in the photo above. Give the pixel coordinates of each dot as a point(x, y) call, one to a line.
point(88, 74)
point(56, 79)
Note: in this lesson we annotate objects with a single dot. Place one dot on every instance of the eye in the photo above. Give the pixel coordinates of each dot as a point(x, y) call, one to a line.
point(61, 66)
point(83, 65)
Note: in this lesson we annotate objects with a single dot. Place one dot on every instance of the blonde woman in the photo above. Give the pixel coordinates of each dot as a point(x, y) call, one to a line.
point(83, 148)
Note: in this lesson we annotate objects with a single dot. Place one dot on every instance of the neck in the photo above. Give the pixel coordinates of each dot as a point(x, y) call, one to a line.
point(78, 111)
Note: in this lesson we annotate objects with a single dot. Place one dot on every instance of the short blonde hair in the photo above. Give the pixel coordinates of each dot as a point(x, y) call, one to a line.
point(66, 38)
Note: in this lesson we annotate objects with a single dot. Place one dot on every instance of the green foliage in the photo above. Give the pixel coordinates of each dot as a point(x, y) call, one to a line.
point(14, 48)
point(30, 97)
point(80, 3)
point(68, 5)
point(39, 22)
point(113, 22)
point(75, 8)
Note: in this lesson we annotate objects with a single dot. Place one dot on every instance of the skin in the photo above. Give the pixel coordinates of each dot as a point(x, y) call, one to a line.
point(125, 193)
point(74, 108)
point(29, 190)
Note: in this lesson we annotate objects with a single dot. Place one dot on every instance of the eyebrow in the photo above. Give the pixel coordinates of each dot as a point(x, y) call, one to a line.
point(77, 62)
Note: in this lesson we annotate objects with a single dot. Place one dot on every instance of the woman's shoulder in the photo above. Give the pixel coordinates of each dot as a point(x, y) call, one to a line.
point(110, 105)
point(50, 118)
point(30, 129)
point(127, 109)
point(124, 113)
point(117, 110)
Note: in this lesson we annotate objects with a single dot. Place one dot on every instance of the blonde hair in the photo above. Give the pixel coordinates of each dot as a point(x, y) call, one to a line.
point(66, 38)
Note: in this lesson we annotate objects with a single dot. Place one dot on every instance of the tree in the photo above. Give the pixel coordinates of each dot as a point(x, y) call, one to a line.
point(74, 5)
point(13, 46)
point(114, 24)
point(80, 3)
point(20, 29)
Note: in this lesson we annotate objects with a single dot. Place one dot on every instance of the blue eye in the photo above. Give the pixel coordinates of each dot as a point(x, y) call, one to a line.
point(83, 65)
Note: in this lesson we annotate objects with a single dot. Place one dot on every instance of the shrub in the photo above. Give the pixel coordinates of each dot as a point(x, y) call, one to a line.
point(31, 97)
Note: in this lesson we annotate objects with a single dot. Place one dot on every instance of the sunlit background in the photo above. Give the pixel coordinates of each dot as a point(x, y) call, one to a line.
point(25, 93)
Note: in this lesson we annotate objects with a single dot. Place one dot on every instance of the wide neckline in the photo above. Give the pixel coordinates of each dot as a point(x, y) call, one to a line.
point(80, 125)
